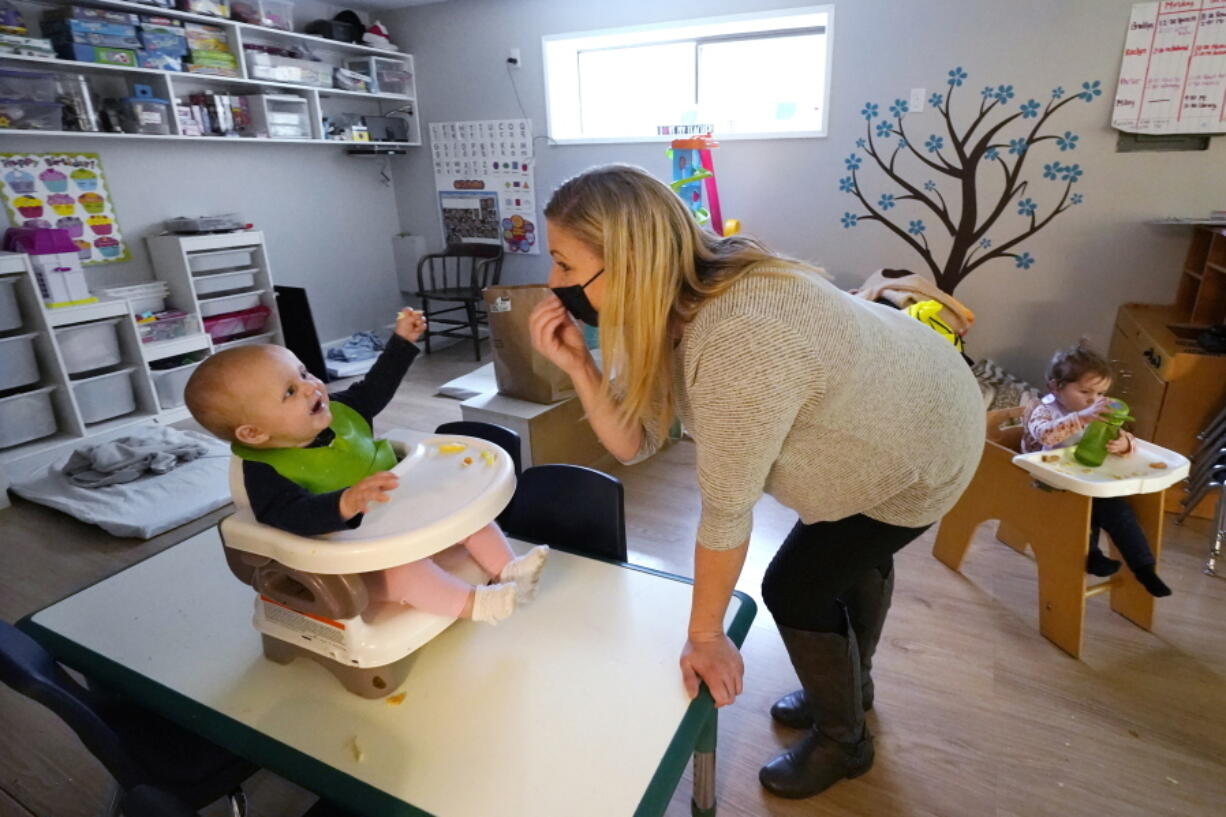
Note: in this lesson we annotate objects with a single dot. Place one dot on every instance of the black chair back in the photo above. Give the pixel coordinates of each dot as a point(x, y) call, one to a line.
point(460, 267)
point(571, 508)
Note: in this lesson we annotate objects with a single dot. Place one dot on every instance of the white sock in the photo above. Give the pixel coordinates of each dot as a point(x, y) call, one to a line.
point(493, 602)
point(525, 572)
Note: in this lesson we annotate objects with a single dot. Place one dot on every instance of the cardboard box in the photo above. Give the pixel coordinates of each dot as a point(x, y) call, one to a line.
point(105, 56)
point(73, 28)
point(75, 12)
point(557, 432)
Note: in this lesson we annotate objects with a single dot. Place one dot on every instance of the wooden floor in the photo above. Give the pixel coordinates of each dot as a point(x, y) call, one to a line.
point(976, 713)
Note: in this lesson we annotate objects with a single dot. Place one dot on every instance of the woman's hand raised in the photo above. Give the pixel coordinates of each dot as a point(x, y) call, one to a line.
point(556, 336)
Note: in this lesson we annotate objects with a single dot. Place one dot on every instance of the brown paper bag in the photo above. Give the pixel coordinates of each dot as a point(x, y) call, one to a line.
point(522, 371)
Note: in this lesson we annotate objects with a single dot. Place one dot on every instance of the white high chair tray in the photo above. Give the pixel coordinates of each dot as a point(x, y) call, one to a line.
point(1148, 469)
point(450, 487)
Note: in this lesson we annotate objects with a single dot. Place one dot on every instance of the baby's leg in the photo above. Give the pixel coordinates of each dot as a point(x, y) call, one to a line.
point(426, 586)
point(489, 549)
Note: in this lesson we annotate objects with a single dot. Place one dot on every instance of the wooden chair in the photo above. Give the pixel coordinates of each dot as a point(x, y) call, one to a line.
point(1056, 526)
point(457, 275)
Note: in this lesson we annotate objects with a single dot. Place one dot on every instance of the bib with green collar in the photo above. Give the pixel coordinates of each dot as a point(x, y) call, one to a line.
point(353, 455)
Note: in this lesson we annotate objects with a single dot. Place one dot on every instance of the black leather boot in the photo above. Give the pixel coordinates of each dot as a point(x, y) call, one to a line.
point(838, 746)
point(867, 602)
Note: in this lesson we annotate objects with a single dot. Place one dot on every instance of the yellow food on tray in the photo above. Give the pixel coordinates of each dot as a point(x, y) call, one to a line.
point(451, 448)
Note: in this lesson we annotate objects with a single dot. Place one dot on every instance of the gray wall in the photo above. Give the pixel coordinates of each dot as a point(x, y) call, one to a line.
point(329, 219)
point(1089, 260)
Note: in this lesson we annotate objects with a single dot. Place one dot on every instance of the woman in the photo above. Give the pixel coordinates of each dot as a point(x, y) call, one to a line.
point(861, 419)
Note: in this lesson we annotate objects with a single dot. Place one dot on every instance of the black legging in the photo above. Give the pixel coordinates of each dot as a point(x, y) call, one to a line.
point(1116, 517)
point(818, 563)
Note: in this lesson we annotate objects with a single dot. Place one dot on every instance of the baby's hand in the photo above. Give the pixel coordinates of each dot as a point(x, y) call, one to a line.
point(410, 324)
point(1095, 411)
point(1121, 445)
point(372, 489)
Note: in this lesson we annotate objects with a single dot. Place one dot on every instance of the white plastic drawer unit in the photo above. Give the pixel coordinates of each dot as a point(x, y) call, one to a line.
point(104, 396)
point(88, 346)
point(169, 384)
point(219, 282)
point(221, 304)
point(18, 363)
point(26, 416)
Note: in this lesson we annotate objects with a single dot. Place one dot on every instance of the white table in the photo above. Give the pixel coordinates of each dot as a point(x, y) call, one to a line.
point(572, 706)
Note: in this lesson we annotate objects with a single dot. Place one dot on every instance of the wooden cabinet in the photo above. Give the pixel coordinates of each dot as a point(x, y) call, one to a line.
point(1201, 298)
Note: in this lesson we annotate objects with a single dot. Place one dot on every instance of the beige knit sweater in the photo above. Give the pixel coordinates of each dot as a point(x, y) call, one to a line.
point(833, 405)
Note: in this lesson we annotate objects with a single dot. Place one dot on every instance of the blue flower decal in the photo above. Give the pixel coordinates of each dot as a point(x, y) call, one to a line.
point(1030, 109)
point(988, 92)
point(935, 100)
point(860, 143)
point(956, 75)
point(853, 162)
point(902, 144)
point(991, 154)
point(899, 107)
point(1024, 261)
point(869, 111)
point(985, 242)
point(884, 129)
point(1003, 93)
point(1053, 170)
point(1057, 92)
point(1068, 141)
point(1071, 173)
point(915, 227)
point(930, 186)
point(886, 201)
point(934, 143)
point(849, 220)
point(1026, 207)
point(847, 185)
point(1076, 198)
point(1018, 145)
point(1089, 90)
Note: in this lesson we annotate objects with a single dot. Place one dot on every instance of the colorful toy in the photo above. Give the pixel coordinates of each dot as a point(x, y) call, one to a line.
point(1092, 450)
point(694, 180)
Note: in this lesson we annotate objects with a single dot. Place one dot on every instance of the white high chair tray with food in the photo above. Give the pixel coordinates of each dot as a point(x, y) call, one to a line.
point(1149, 468)
point(450, 487)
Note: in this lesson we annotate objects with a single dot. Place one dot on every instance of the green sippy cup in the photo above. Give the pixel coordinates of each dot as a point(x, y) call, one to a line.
point(1092, 450)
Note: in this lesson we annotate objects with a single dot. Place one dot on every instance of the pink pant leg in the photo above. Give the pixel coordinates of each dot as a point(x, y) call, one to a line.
point(422, 584)
point(489, 549)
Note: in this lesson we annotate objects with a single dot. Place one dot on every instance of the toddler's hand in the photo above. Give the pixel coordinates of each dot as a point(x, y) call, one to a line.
point(1095, 410)
point(410, 324)
point(372, 489)
point(1121, 445)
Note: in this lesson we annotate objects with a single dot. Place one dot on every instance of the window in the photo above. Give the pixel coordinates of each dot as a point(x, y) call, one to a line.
point(757, 75)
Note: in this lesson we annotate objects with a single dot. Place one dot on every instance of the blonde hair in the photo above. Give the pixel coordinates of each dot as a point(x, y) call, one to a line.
point(660, 268)
point(210, 392)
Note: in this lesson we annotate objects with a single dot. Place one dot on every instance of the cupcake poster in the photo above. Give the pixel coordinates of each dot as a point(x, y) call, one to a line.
point(65, 191)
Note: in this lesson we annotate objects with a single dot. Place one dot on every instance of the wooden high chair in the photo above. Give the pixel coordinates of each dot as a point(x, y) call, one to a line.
point(1056, 525)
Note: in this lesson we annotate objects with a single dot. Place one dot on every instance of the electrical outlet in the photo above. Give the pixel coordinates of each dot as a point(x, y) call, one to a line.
point(917, 100)
point(513, 58)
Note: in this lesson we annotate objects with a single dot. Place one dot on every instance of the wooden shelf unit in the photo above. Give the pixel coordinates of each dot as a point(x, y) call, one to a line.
point(1201, 297)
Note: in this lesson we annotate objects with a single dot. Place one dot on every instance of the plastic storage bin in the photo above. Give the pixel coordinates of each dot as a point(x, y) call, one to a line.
point(274, 68)
point(387, 76)
point(10, 314)
point(145, 113)
point(233, 324)
point(105, 396)
point(166, 326)
point(18, 365)
point(269, 13)
point(26, 416)
point(87, 346)
point(225, 282)
point(225, 304)
point(150, 297)
point(21, 114)
point(169, 384)
point(32, 85)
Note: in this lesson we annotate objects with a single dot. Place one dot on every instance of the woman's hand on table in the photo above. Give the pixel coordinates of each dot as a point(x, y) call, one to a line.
point(716, 660)
point(556, 336)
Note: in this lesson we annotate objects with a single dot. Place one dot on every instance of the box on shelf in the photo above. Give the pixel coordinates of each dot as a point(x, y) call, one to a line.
point(55, 261)
point(88, 346)
point(268, 13)
point(233, 324)
point(26, 416)
point(124, 57)
point(213, 8)
point(274, 68)
point(76, 12)
point(10, 312)
point(77, 98)
point(202, 37)
point(159, 61)
point(280, 116)
point(160, 24)
point(388, 76)
point(348, 80)
point(18, 364)
point(13, 44)
point(104, 396)
point(162, 42)
point(32, 86)
point(166, 325)
point(20, 114)
point(145, 113)
point(337, 30)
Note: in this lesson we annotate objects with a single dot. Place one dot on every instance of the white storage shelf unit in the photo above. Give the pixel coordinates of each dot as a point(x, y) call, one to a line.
point(115, 81)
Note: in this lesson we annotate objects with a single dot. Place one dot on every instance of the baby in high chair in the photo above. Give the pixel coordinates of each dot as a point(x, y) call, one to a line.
point(311, 465)
point(1078, 380)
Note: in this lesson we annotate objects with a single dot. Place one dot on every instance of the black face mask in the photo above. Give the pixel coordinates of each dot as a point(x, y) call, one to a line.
point(575, 300)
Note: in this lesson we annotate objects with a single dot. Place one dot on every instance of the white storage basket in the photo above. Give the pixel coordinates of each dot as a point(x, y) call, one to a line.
point(105, 396)
point(26, 416)
point(10, 315)
point(87, 346)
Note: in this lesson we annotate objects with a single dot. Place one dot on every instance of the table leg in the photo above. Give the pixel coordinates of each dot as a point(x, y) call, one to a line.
point(703, 802)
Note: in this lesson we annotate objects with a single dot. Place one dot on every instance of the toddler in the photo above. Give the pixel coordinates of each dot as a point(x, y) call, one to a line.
point(1078, 380)
point(311, 466)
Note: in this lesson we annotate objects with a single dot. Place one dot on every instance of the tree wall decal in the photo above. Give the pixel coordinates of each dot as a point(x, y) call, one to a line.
point(963, 158)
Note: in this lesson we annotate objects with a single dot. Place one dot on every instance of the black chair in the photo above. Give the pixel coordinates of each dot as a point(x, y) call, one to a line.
point(136, 746)
point(571, 508)
point(457, 275)
point(150, 801)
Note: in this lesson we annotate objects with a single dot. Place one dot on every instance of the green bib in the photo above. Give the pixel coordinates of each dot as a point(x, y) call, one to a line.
point(353, 455)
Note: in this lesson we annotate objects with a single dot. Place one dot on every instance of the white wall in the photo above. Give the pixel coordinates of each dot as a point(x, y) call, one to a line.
point(1089, 260)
